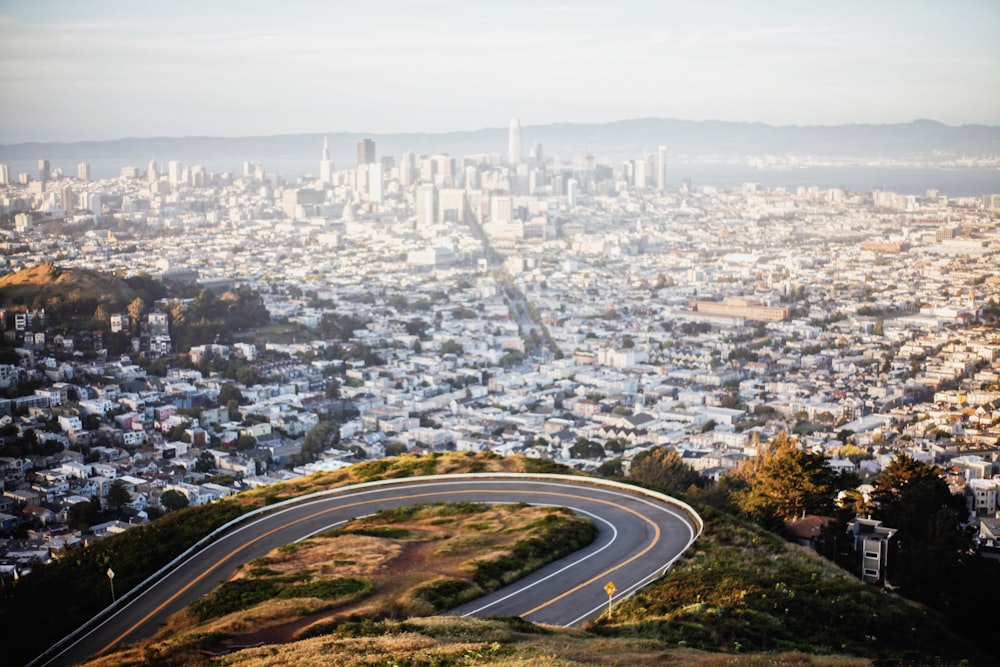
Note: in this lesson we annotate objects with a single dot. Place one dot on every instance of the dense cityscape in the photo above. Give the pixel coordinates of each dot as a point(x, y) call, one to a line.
point(512, 302)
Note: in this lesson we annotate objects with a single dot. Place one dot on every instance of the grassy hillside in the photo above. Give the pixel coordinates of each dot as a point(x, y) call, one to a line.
point(741, 596)
point(78, 581)
point(741, 589)
point(413, 561)
point(67, 293)
point(48, 283)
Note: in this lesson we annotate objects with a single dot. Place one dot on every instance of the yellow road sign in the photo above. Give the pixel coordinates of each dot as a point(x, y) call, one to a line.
point(610, 588)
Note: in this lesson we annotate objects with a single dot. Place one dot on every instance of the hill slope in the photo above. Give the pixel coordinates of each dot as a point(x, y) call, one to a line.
point(47, 285)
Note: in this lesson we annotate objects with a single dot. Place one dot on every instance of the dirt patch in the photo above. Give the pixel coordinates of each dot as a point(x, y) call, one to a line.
point(393, 566)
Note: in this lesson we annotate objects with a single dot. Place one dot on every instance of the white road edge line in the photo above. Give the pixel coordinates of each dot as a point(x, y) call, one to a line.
point(614, 537)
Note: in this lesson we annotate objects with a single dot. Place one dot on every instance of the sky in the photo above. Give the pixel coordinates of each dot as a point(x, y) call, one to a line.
point(107, 69)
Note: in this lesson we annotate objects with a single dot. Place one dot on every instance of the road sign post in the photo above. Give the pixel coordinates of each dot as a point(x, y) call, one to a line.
point(610, 589)
point(111, 578)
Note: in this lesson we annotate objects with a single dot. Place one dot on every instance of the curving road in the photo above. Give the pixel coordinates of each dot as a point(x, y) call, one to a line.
point(639, 535)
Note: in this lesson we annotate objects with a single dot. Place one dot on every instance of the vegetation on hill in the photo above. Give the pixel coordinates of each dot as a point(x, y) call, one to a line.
point(413, 561)
point(67, 293)
point(932, 565)
point(742, 593)
point(740, 590)
point(744, 590)
point(84, 300)
point(77, 578)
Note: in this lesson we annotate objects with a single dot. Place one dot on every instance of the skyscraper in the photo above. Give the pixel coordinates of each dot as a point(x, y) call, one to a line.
point(640, 172)
point(407, 167)
point(514, 142)
point(425, 201)
point(43, 170)
point(83, 171)
point(4, 174)
point(325, 164)
point(175, 171)
point(661, 169)
point(366, 151)
point(375, 193)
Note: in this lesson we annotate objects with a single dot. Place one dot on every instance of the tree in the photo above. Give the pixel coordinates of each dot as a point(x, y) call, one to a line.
point(783, 482)
point(230, 392)
point(332, 389)
point(118, 495)
point(586, 449)
point(611, 468)
point(173, 500)
point(394, 448)
point(663, 470)
point(101, 315)
point(136, 309)
point(616, 445)
point(322, 436)
point(909, 493)
point(205, 462)
point(85, 514)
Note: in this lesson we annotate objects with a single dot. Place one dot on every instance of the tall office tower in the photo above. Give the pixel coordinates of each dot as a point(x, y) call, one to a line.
point(366, 151)
point(375, 183)
point(248, 169)
point(640, 169)
point(258, 173)
point(67, 199)
point(514, 142)
point(661, 169)
point(407, 167)
point(425, 202)
point(43, 170)
point(4, 174)
point(198, 177)
point(427, 168)
point(444, 169)
point(572, 187)
point(175, 172)
point(536, 154)
point(325, 164)
point(152, 172)
point(83, 171)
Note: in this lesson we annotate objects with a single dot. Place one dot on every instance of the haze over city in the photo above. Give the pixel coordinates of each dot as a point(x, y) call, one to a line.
point(711, 285)
point(107, 69)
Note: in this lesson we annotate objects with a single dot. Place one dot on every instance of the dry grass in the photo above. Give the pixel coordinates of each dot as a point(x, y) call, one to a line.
point(401, 466)
point(439, 543)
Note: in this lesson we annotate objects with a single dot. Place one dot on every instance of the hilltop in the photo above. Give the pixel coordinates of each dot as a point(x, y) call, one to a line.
point(67, 290)
point(739, 590)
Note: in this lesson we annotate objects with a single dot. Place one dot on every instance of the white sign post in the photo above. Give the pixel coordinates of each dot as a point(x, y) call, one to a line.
point(111, 578)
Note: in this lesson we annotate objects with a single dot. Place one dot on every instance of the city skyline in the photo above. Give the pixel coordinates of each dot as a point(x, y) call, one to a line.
point(122, 69)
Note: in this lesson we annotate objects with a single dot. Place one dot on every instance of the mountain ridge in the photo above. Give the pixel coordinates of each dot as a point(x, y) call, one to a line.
point(925, 139)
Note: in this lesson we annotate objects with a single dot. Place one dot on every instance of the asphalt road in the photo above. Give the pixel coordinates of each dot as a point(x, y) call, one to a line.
point(638, 537)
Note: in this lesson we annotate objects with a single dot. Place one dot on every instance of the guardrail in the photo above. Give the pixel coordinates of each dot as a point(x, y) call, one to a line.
point(123, 600)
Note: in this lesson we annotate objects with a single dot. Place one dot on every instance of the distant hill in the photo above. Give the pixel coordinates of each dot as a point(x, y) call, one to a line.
point(68, 292)
point(47, 281)
point(689, 140)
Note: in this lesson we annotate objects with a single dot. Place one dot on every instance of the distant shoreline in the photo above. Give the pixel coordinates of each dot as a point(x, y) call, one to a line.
point(950, 182)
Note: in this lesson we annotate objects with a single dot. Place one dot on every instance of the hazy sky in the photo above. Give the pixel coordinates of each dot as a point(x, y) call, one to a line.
point(104, 69)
